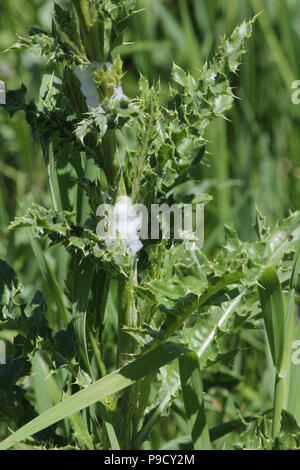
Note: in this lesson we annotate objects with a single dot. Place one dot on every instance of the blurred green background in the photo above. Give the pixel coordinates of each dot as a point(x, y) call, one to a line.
point(254, 155)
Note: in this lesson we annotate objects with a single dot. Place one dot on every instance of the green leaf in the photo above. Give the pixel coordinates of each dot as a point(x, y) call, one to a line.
point(9, 286)
point(82, 281)
point(49, 278)
point(80, 430)
point(109, 427)
point(15, 100)
point(108, 385)
point(191, 384)
point(236, 425)
point(272, 305)
point(67, 22)
point(234, 46)
point(288, 423)
point(260, 226)
point(40, 373)
point(203, 337)
point(202, 352)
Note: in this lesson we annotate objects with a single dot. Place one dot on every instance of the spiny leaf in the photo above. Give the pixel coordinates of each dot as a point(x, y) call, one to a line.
point(80, 430)
point(15, 100)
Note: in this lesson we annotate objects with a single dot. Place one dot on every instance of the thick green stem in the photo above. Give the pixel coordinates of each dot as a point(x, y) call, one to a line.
point(282, 379)
point(97, 353)
point(127, 318)
point(127, 406)
point(82, 198)
point(82, 281)
point(279, 399)
point(89, 31)
point(95, 45)
point(52, 177)
point(144, 391)
point(142, 153)
point(289, 331)
point(109, 152)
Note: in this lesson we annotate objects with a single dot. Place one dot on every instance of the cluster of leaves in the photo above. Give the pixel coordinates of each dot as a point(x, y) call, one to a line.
point(61, 228)
point(219, 301)
point(65, 43)
point(36, 346)
point(170, 142)
point(174, 137)
point(218, 297)
point(257, 434)
point(30, 323)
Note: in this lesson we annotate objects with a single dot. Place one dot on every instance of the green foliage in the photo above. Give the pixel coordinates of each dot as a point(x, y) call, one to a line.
point(107, 379)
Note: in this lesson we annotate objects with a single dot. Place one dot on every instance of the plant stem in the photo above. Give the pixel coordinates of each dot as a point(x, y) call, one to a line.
point(127, 405)
point(52, 177)
point(97, 353)
point(127, 318)
point(279, 398)
point(82, 198)
point(142, 153)
point(83, 276)
point(282, 379)
point(89, 31)
point(109, 152)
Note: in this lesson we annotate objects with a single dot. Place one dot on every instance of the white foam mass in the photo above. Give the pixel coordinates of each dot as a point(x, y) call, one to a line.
point(125, 224)
point(88, 86)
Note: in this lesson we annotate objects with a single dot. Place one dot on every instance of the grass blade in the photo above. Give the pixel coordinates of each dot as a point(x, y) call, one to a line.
point(50, 281)
point(108, 385)
point(271, 299)
point(83, 276)
point(192, 390)
point(274, 44)
point(40, 373)
point(272, 304)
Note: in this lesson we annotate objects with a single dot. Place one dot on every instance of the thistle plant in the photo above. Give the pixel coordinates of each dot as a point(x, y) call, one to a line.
point(129, 308)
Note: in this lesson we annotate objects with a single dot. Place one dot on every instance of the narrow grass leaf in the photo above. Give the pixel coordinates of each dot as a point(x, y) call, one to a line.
point(83, 276)
point(191, 384)
point(50, 280)
point(272, 305)
point(40, 385)
point(108, 385)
